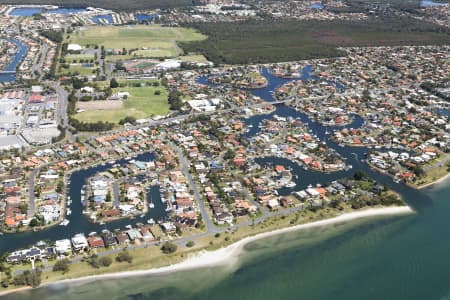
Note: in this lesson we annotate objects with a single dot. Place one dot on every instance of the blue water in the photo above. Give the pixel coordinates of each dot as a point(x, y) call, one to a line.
point(317, 6)
point(429, 3)
point(30, 11)
point(97, 19)
point(23, 49)
point(145, 17)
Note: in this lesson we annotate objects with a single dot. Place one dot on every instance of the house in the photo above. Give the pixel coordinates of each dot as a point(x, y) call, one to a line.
point(80, 242)
point(63, 247)
point(95, 242)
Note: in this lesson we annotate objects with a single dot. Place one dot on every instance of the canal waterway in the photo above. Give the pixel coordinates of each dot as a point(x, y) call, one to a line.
point(14, 63)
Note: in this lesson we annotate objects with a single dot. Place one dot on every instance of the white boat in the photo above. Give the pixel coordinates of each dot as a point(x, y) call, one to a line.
point(291, 184)
point(151, 221)
point(64, 222)
point(128, 226)
point(102, 223)
point(141, 216)
point(69, 212)
point(92, 233)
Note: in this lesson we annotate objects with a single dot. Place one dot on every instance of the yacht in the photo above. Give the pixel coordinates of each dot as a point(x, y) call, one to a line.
point(151, 221)
point(291, 184)
point(64, 222)
point(69, 212)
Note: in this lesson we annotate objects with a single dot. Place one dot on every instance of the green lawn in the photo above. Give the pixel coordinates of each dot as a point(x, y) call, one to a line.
point(142, 103)
point(70, 58)
point(152, 37)
point(77, 68)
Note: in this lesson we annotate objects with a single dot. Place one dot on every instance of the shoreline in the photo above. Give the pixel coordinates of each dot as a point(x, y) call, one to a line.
point(437, 181)
point(229, 254)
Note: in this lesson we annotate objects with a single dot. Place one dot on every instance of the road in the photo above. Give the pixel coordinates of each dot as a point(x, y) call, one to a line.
point(39, 63)
point(31, 196)
point(185, 167)
point(116, 193)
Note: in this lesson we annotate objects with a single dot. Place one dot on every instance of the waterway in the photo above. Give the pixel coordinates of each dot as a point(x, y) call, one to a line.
point(429, 3)
point(102, 18)
point(379, 258)
point(14, 63)
point(30, 11)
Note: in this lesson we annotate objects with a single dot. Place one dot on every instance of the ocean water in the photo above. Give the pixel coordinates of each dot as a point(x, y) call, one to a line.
point(395, 257)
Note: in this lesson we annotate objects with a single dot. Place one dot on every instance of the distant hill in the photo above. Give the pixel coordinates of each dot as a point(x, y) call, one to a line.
point(116, 5)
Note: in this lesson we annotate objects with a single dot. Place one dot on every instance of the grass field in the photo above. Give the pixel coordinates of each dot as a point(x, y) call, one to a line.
point(70, 58)
point(142, 103)
point(158, 41)
point(77, 69)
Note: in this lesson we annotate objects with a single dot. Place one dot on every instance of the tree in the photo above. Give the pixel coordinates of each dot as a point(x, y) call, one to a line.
point(105, 261)
point(61, 266)
point(359, 175)
point(113, 83)
point(174, 100)
point(169, 248)
point(229, 154)
point(190, 244)
point(108, 197)
point(28, 278)
point(93, 261)
point(124, 256)
point(34, 223)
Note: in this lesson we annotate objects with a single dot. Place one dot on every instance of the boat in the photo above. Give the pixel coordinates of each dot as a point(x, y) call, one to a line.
point(128, 227)
point(64, 222)
point(69, 212)
point(92, 233)
point(151, 221)
point(291, 184)
point(141, 216)
point(102, 223)
point(151, 204)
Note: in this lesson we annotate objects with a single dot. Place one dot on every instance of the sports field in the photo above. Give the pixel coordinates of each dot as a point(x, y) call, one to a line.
point(142, 103)
point(156, 41)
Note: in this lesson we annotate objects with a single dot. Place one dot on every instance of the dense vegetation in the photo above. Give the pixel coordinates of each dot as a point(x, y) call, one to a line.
point(274, 40)
point(55, 36)
point(117, 5)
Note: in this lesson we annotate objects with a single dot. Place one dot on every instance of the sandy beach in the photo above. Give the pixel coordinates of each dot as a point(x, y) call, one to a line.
point(228, 255)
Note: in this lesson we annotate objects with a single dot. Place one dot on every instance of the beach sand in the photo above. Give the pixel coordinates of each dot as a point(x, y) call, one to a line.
point(228, 255)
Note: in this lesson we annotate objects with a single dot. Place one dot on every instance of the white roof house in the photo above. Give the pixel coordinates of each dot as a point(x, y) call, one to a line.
point(63, 246)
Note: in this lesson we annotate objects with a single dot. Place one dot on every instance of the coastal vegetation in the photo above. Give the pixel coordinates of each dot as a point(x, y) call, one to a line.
point(263, 41)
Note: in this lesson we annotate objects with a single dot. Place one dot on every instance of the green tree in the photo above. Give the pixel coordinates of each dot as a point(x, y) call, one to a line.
point(105, 261)
point(61, 266)
point(169, 248)
point(124, 256)
point(113, 83)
